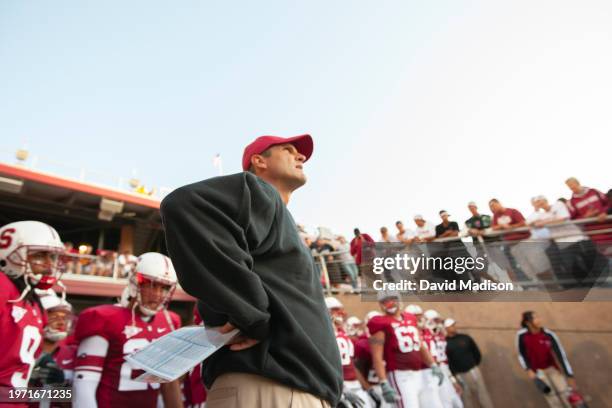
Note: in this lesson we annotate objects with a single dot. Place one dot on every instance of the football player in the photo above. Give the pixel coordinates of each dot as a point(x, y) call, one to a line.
point(406, 369)
point(107, 334)
point(417, 312)
point(30, 254)
point(354, 328)
point(48, 371)
point(356, 388)
point(434, 338)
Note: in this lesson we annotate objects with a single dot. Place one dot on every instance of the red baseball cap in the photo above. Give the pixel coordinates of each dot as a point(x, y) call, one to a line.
point(303, 144)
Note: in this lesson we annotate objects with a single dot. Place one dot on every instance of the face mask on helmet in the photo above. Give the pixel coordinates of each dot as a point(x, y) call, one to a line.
point(152, 295)
point(433, 322)
point(59, 315)
point(390, 306)
point(58, 324)
point(354, 328)
point(337, 316)
point(43, 267)
point(30, 250)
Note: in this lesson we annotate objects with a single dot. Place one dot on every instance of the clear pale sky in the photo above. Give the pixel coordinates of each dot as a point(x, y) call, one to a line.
point(414, 106)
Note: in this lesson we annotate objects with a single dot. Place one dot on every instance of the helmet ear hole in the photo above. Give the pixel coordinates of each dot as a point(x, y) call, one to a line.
point(2, 263)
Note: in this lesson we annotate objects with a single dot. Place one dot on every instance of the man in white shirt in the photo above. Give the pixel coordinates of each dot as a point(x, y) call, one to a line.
point(385, 236)
point(403, 235)
point(573, 256)
point(425, 230)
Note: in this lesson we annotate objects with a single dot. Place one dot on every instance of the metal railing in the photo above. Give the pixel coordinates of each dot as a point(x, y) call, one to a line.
point(498, 251)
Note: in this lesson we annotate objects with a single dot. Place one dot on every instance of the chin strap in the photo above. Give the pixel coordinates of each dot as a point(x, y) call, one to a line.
point(24, 292)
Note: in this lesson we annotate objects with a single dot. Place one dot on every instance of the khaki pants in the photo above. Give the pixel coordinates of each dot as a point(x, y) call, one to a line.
point(475, 393)
point(557, 398)
point(238, 390)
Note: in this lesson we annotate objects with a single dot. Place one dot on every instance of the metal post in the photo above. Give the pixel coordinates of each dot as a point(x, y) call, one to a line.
point(325, 275)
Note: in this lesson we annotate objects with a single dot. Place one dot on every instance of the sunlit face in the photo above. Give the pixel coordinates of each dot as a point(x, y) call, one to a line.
point(419, 223)
point(43, 262)
point(495, 207)
point(152, 293)
point(473, 209)
point(400, 226)
point(59, 320)
point(283, 162)
point(451, 330)
point(574, 185)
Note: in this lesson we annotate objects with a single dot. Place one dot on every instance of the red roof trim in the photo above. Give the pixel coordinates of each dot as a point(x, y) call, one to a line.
point(28, 174)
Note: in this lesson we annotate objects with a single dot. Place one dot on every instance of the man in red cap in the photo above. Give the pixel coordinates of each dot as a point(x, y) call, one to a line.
point(236, 248)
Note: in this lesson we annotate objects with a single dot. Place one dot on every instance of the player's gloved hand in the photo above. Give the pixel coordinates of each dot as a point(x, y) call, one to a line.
point(542, 386)
point(375, 397)
point(436, 371)
point(46, 372)
point(388, 393)
point(354, 399)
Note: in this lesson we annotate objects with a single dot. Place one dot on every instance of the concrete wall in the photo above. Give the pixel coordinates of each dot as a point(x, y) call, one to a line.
point(585, 329)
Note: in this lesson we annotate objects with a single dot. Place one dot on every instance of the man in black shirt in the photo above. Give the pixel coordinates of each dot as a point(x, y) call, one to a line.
point(463, 359)
point(236, 248)
point(447, 228)
point(452, 249)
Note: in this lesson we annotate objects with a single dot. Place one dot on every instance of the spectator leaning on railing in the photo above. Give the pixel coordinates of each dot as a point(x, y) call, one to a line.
point(385, 236)
point(572, 255)
point(508, 219)
point(477, 223)
point(403, 235)
point(446, 228)
point(586, 202)
point(425, 230)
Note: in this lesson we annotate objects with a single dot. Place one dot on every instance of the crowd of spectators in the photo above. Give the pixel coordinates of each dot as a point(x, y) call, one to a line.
point(82, 260)
point(567, 246)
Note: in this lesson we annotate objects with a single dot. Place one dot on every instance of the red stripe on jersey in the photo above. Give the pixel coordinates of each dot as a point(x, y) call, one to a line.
point(84, 362)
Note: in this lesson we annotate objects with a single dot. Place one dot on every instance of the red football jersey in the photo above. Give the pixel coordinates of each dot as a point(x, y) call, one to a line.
point(363, 356)
point(347, 352)
point(21, 327)
point(402, 342)
point(436, 344)
point(117, 387)
point(65, 356)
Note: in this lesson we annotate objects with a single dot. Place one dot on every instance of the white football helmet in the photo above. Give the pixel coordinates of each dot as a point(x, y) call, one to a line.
point(385, 296)
point(432, 320)
point(353, 326)
point(369, 316)
point(21, 240)
point(151, 267)
point(414, 309)
point(52, 303)
point(332, 303)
